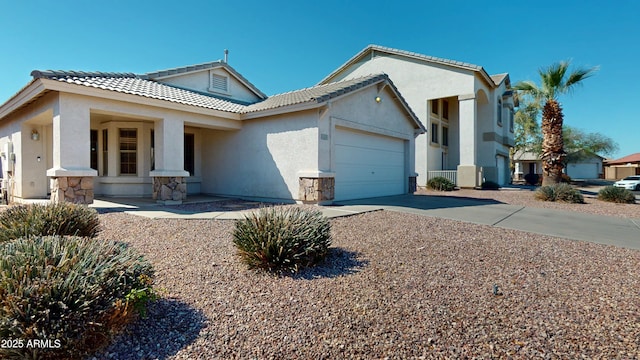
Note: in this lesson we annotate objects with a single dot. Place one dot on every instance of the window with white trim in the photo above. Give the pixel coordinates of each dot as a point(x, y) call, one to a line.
point(434, 133)
point(128, 151)
point(434, 106)
point(445, 136)
point(511, 120)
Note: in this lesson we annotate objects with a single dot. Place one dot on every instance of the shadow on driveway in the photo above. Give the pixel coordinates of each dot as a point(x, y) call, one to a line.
point(421, 202)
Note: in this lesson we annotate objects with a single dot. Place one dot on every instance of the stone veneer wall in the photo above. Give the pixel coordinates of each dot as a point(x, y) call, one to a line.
point(74, 189)
point(316, 189)
point(169, 188)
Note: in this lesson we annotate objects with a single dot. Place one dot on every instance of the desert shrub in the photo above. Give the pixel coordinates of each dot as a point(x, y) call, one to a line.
point(440, 183)
point(282, 240)
point(50, 219)
point(490, 185)
point(73, 292)
point(559, 192)
point(532, 179)
point(616, 195)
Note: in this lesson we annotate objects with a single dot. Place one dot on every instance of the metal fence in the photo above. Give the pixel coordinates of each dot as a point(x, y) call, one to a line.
point(451, 175)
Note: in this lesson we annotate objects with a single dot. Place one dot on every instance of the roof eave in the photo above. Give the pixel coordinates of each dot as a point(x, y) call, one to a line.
point(22, 97)
point(205, 67)
point(60, 86)
point(371, 48)
point(307, 105)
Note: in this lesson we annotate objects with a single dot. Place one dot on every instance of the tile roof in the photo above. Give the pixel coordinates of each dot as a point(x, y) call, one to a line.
point(210, 65)
point(133, 84)
point(633, 158)
point(316, 94)
point(129, 83)
point(426, 57)
point(414, 55)
point(498, 78)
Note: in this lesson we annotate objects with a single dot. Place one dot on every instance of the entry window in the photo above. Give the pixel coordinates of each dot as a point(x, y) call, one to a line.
point(189, 154)
point(94, 149)
point(434, 133)
point(128, 151)
point(445, 136)
point(105, 152)
point(153, 150)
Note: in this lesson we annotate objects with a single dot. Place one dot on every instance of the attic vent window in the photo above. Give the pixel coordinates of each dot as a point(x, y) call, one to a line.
point(219, 83)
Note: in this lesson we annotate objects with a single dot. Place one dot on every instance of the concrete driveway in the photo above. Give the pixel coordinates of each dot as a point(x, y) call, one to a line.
point(566, 224)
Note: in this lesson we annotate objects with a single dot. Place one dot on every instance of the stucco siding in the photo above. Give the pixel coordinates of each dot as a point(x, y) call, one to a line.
point(416, 81)
point(200, 81)
point(29, 179)
point(263, 159)
point(361, 111)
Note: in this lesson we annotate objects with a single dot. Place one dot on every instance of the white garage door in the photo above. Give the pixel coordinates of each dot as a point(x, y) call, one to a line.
point(583, 171)
point(368, 165)
point(502, 168)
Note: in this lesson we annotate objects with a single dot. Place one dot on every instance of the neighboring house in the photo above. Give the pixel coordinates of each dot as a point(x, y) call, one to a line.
point(584, 165)
point(579, 165)
point(525, 163)
point(623, 167)
point(204, 129)
point(467, 112)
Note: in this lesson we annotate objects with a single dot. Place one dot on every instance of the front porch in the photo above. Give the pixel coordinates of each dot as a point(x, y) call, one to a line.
point(76, 150)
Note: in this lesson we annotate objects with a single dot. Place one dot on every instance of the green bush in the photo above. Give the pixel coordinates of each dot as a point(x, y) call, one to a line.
point(50, 219)
point(616, 195)
point(282, 240)
point(73, 292)
point(440, 183)
point(490, 185)
point(559, 192)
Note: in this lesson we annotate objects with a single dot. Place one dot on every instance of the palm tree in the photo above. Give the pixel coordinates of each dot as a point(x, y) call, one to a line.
point(554, 81)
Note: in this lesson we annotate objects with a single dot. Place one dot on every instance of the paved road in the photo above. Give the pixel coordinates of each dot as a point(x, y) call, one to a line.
point(567, 224)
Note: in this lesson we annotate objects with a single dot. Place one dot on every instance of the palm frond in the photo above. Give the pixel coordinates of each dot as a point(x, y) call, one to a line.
point(580, 74)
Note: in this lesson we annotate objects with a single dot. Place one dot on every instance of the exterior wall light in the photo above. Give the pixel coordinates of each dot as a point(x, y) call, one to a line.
point(35, 136)
point(378, 99)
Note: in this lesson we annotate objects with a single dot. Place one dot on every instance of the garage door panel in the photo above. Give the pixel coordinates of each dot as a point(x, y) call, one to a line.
point(368, 165)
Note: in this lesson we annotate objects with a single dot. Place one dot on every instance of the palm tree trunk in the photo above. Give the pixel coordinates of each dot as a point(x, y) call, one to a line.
point(553, 154)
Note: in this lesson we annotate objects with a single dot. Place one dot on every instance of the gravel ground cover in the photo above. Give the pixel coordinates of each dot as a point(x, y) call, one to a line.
point(394, 285)
point(526, 197)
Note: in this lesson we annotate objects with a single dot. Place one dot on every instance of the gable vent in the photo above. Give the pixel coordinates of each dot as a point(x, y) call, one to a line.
point(219, 83)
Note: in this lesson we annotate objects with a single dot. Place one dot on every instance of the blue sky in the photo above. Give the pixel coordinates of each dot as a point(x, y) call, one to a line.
point(286, 45)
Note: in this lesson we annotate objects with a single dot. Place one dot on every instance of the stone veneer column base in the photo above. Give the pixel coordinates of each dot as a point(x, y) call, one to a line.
point(316, 189)
point(73, 189)
point(169, 189)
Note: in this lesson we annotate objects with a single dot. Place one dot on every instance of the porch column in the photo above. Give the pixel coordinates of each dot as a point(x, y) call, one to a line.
point(71, 174)
point(467, 169)
point(169, 177)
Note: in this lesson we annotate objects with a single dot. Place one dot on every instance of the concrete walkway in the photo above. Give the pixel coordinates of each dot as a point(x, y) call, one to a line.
point(151, 209)
point(566, 224)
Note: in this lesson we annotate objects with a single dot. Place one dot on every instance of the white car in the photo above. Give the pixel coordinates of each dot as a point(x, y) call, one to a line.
point(629, 183)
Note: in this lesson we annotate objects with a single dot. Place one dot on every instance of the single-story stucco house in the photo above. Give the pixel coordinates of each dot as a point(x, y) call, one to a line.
point(617, 169)
point(204, 129)
point(467, 112)
point(580, 165)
